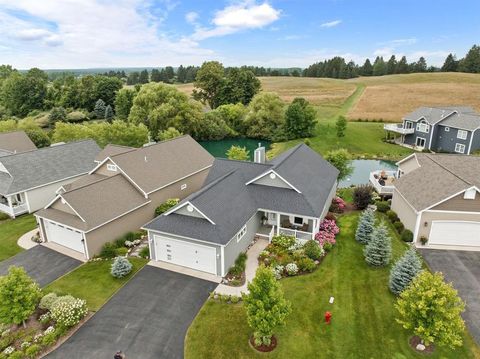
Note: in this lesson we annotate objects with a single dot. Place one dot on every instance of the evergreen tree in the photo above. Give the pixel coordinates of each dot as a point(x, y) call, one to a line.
point(404, 270)
point(181, 74)
point(379, 250)
point(120, 267)
point(99, 108)
point(169, 73)
point(367, 68)
point(341, 126)
point(155, 75)
point(450, 64)
point(421, 65)
point(402, 66)
point(133, 78)
point(379, 67)
point(471, 62)
point(391, 66)
point(143, 78)
point(365, 226)
point(109, 113)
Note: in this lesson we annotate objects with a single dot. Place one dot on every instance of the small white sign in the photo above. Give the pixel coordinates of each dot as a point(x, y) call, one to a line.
point(331, 300)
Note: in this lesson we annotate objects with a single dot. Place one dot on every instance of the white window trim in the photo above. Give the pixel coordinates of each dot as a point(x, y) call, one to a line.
point(424, 141)
point(470, 194)
point(183, 186)
point(241, 233)
point(423, 127)
point(447, 129)
point(462, 134)
point(460, 145)
point(111, 167)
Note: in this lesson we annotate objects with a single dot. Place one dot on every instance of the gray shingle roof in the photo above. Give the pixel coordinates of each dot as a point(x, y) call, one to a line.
point(46, 165)
point(438, 177)
point(462, 117)
point(16, 142)
point(229, 202)
point(112, 150)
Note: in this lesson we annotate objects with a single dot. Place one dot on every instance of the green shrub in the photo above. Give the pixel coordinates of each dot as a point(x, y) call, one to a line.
point(165, 206)
point(32, 351)
point(145, 252)
point(306, 265)
point(67, 311)
point(383, 206)
point(120, 242)
point(108, 250)
point(130, 236)
point(137, 235)
point(312, 250)
point(4, 216)
point(49, 339)
point(283, 241)
point(392, 216)
point(327, 246)
point(121, 252)
point(47, 301)
point(16, 355)
point(76, 116)
point(120, 267)
point(234, 299)
point(239, 267)
point(399, 226)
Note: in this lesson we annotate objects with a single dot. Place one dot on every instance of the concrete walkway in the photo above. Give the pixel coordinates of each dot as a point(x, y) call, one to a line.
point(25, 241)
point(250, 269)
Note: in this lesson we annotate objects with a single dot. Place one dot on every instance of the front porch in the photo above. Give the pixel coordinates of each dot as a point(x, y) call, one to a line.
point(13, 205)
point(274, 223)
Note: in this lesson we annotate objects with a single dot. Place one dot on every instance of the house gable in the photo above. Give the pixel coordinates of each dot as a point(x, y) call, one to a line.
point(462, 202)
point(106, 168)
point(60, 205)
point(188, 209)
point(272, 179)
point(408, 164)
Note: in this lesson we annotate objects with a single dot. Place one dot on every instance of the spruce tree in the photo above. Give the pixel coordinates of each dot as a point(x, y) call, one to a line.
point(391, 65)
point(471, 62)
point(379, 250)
point(143, 78)
point(99, 108)
point(450, 64)
point(120, 267)
point(367, 68)
point(365, 226)
point(109, 113)
point(404, 270)
point(402, 66)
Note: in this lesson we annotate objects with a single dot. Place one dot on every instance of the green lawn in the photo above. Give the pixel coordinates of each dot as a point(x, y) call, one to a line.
point(92, 281)
point(362, 139)
point(363, 314)
point(10, 231)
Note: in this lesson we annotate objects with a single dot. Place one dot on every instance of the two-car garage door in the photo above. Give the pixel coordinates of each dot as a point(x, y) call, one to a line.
point(64, 236)
point(453, 233)
point(186, 254)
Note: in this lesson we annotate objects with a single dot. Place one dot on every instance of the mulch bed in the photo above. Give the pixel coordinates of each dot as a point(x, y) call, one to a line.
point(415, 340)
point(230, 277)
point(264, 348)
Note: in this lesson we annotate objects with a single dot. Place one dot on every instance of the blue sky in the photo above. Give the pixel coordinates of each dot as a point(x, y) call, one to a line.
point(277, 33)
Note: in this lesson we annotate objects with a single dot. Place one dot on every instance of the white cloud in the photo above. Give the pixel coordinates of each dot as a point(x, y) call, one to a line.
point(239, 17)
point(331, 23)
point(191, 17)
point(292, 37)
point(409, 41)
point(384, 51)
point(91, 33)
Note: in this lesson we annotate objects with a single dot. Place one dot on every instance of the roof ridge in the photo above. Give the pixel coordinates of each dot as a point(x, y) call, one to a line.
point(447, 169)
point(209, 185)
point(150, 146)
point(94, 182)
point(50, 147)
point(242, 161)
point(123, 146)
point(293, 150)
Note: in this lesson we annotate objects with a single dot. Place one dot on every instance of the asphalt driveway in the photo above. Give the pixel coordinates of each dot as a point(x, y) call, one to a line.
point(462, 268)
point(147, 318)
point(43, 264)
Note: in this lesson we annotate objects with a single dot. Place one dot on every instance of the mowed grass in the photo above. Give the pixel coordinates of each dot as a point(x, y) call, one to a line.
point(10, 231)
point(93, 282)
point(363, 323)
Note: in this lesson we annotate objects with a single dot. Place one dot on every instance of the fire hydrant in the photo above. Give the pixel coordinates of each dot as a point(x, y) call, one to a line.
point(328, 317)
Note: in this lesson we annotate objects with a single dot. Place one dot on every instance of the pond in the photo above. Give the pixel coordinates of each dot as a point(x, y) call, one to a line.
point(219, 148)
point(362, 169)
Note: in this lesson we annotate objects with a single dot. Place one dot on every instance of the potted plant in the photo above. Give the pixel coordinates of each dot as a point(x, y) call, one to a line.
point(264, 219)
point(423, 240)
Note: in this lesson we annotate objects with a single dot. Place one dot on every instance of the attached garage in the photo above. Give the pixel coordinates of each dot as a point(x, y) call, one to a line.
point(64, 236)
point(186, 254)
point(455, 233)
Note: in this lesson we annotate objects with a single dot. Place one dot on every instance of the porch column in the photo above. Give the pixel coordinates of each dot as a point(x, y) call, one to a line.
point(9, 199)
point(278, 224)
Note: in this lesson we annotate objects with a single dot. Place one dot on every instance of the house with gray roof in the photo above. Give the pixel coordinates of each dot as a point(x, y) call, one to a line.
point(436, 196)
point(240, 200)
point(15, 142)
point(451, 129)
point(121, 193)
point(29, 180)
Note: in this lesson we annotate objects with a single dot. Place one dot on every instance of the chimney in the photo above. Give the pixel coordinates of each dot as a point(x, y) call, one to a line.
point(259, 154)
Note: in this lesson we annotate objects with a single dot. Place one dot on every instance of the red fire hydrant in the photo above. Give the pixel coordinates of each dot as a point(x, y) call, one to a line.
point(328, 317)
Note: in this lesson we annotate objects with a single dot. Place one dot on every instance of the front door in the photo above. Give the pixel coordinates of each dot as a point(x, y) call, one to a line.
point(272, 219)
point(420, 142)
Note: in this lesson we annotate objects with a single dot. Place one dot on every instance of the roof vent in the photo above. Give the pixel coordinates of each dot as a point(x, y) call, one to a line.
point(259, 154)
point(146, 159)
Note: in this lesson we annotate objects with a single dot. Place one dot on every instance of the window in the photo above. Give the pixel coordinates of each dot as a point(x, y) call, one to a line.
point(470, 193)
point(111, 167)
point(447, 129)
point(298, 220)
point(422, 127)
point(420, 142)
point(408, 124)
point(183, 186)
point(241, 233)
point(459, 148)
point(462, 134)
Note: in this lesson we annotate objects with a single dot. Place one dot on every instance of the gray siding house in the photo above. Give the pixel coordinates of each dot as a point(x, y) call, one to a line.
point(240, 200)
point(439, 129)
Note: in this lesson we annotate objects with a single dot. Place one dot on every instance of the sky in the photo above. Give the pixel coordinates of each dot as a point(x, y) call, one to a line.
point(277, 33)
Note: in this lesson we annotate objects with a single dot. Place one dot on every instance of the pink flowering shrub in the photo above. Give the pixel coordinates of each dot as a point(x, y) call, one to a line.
point(327, 232)
point(338, 205)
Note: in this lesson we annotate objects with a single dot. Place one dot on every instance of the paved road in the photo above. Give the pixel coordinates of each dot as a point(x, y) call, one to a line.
point(44, 265)
point(463, 269)
point(147, 318)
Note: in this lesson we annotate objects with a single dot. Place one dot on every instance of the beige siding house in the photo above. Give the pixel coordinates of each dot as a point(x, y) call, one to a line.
point(121, 193)
point(437, 197)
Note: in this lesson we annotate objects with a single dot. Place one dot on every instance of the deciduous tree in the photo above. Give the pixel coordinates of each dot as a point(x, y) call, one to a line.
point(342, 160)
point(238, 153)
point(341, 126)
point(265, 116)
point(300, 119)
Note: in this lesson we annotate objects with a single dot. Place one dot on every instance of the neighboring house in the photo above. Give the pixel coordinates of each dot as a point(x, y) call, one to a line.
point(121, 193)
point(240, 200)
point(28, 180)
point(436, 197)
point(440, 129)
point(15, 142)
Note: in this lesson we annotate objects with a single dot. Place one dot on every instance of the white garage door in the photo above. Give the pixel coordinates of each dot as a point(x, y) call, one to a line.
point(64, 236)
point(186, 254)
point(455, 233)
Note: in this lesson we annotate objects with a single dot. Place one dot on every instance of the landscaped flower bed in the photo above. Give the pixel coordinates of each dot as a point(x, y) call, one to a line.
point(123, 246)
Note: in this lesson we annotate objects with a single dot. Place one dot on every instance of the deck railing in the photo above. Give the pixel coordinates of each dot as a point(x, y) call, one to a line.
point(387, 189)
point(301, 236)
